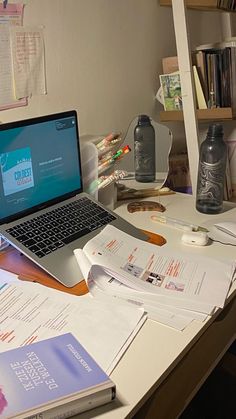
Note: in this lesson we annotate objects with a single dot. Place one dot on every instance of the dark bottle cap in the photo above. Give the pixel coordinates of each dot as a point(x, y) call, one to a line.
point(215, 130)
point(144, 120)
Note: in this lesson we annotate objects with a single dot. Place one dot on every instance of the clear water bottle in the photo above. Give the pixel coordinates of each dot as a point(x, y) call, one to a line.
point(144, 150)
point(211, 171)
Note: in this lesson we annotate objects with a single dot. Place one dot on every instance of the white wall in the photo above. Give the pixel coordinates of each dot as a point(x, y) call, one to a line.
point(103, 58)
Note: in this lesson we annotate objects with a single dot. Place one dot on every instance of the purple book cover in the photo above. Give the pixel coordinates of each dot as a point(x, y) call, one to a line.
point(36, 374)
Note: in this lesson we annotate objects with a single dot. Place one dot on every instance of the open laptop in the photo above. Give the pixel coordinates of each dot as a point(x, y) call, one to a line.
point(44, 212)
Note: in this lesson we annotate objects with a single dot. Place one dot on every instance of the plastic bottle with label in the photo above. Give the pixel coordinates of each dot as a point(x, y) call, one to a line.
point(211, 171)
point(144, 150)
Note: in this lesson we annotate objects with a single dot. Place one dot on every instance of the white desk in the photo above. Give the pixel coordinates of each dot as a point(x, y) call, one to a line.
point(164, 365)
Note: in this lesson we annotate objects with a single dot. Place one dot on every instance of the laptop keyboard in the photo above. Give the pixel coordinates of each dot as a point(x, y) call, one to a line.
point(48, 232)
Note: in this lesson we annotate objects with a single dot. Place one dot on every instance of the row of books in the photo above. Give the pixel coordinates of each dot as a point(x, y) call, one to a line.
point(216, 64)
point(226, 5)
point(214, 71)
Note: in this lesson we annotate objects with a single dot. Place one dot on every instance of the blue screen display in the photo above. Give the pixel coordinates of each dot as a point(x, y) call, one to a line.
point(39, 162)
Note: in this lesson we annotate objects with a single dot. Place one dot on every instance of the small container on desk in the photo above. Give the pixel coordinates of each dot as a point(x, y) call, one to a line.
point(89, 164)
point(108, 195)
point(95, 164)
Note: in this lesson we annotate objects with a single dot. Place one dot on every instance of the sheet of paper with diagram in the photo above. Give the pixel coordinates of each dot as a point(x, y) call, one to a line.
point(174, 288)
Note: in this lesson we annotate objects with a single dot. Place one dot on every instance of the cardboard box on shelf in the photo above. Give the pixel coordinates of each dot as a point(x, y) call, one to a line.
point(170, 65)
point(178, 178)
point(231, 143)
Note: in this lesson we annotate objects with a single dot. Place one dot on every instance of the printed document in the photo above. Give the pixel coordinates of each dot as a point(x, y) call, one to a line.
point(28, 61)
point(10, 16)
point(30, 312)
point(154, 276)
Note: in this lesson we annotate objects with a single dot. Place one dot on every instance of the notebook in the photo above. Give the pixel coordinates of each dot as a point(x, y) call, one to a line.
point(44, 212)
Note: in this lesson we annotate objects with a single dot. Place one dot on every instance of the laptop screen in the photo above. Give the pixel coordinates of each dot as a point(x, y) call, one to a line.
point(39, 163)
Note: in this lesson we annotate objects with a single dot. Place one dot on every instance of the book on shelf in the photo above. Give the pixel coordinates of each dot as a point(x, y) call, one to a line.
point(198, 59)
point(214, 69)
point(227, 5)
point(232, 76)
point(227, 79)
point(201, 101)
point(55, 377)
point(220, 66)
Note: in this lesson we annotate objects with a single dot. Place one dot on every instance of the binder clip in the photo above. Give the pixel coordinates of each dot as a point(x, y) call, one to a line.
point(5, 3)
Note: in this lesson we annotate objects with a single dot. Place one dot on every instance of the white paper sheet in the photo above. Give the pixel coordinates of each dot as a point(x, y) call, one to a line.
point(30, 312)
point(9, 16)
point(100, 284)
point(7, 277)
point(7, 94)
point(172, 278)
point(27, 46)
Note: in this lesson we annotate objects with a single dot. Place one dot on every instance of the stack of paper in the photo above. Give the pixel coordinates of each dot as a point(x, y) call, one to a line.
point(30, 312)
point(173, 288)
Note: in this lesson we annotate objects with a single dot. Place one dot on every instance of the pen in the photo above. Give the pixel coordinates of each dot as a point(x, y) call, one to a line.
point(123, 150)
point(182, 225)
point(117, 156)
point(105, 140)
point(104, 181)
point(109, 139)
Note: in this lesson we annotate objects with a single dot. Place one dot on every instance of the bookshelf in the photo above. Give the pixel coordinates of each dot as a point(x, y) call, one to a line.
point(202, 115)
point(208, 5)
point(191, 116)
